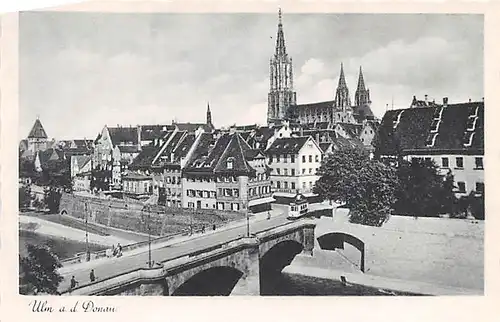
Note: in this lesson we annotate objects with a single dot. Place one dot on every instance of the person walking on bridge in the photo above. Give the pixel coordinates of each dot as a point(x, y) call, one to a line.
point(73, 282)
point(92, 275)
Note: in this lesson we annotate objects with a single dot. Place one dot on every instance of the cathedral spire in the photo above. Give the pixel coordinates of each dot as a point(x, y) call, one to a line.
point(342, 99)
point(362, 95)
point(280, 39)
point(361, 81)
point(342, 82)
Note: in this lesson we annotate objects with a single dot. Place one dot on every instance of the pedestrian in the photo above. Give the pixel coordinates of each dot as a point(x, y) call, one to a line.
point(73, 282)
point(213, 227)
point(268, 215)
point(203, 229)
point(92, 275)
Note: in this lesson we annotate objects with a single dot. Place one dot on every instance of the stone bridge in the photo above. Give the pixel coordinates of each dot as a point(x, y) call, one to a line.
point(244, 266)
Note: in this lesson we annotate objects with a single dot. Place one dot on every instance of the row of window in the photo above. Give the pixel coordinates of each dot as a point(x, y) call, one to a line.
point(257, 191)
point(220, 205)
point(462, 188)
point(459, 162)
point(290, 185)
point(284, 158)
point(200, 193)
point(292, 171)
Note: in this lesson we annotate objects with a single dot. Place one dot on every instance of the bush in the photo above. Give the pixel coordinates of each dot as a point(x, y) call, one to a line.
point(24, 197)
point(38, 271)
point(53, 199)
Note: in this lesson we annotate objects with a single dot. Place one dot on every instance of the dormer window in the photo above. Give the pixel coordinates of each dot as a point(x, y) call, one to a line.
point(397, 119)
point(437, 113)
point(471, 123)
point(431, 139)
point(468, 137)
point(474, 114)
point(230, 163)
point(435, 126)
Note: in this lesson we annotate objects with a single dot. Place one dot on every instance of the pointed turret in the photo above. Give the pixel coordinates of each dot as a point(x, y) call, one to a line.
point(37, 131)
point(209, 115)
point(342, 99)
point(362, 96)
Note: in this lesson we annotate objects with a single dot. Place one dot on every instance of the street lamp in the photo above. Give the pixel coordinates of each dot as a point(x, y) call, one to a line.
point(150, 263)
point(87, 252)
point(248, 218)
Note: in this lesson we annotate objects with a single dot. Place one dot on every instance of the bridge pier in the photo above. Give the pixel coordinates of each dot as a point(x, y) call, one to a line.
point(308, 240)
point(249, 283)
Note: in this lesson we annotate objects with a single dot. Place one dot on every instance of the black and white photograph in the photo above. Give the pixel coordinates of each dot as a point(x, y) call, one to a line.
point(276, 153)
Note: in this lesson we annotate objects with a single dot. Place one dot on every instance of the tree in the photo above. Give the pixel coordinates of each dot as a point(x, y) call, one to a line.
point(366, 186)
point(423, 192)
point(52, 199)
point(24, 196)
point(38, 271)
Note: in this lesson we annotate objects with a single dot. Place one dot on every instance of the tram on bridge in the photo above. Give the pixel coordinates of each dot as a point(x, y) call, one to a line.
point(298, 207)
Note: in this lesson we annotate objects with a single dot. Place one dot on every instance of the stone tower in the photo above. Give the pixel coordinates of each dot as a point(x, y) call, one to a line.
point(362, 96)
point(281, 95)
point(342, 99)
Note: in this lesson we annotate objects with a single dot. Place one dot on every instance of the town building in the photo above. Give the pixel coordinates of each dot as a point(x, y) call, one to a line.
point(294, 162)
point(224, 173)
point(451, 135)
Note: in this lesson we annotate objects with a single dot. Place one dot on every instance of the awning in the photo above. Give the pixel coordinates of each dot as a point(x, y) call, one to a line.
point(260, 201)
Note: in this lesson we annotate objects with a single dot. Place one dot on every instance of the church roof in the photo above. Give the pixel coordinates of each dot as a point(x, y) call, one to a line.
point(37, 131)
point(320, 105)
point(455, 128)
point(351, 129)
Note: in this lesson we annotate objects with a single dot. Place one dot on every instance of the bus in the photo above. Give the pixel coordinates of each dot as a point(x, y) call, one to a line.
point(298, 207)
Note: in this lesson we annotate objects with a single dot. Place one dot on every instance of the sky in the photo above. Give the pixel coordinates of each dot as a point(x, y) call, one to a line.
point(80, 71)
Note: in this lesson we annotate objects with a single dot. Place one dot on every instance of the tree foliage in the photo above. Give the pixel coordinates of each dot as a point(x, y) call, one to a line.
point(423, 192)
point(56, 173)
point(24, 196)
point(52, 199)
point(38, 271)
point(366, 186)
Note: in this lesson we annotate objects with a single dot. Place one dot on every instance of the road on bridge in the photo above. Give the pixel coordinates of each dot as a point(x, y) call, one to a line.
point(113, 266)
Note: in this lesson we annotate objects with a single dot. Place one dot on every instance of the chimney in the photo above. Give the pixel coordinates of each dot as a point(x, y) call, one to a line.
point(426, 99)
point(470, 100)
point(482, 99)
point(445, 101)
point(171, 157)
point(317, 137)
point(232, 130)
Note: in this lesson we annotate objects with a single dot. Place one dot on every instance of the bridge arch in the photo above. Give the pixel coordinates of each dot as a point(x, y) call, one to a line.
point(336, 240)
point(274, 260)
point(217, 280)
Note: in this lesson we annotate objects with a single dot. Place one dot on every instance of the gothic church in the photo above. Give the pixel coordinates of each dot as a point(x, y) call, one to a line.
point(282, 99)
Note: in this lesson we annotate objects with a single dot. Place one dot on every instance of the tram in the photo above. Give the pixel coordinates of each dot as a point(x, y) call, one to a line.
point(298, 207)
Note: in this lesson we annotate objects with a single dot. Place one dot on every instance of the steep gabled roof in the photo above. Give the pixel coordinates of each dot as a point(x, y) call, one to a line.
point(408, 130)
point(317, 105)
point(145, 158)
point(192, 127)
point(351, 129)
point(287, 145)
point(81, 160)
point(127, 135)
point(151, 132)
point(37, 131)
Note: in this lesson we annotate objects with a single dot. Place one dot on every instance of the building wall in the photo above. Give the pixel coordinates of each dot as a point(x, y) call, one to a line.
point(367, 135)
point(198, 184)
point(231, 191)
point(303, 176)
point(469, 174)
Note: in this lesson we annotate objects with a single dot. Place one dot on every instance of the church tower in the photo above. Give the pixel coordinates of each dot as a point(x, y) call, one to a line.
point(281, 95)
point(342, 99)
point(362, 96)
point(209, 115)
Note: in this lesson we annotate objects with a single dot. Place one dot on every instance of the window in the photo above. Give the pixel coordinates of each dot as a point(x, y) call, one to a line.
point(278, 184)
point(293, 185)
point(303, 158)
point(199, 193)
point(205, 194)
point(479, 163)
point(285, 185)
point(293, 172)
point(213, 194)
point(228, 192)
point(431, 139)
point(285, 172)
point(285, 158)
point(471, 123)
point(236, 192)
point(221, 192)
point(480, 187)
point(461, 186)
point(468, 136)
point(230, 161)
point(292, 158)
point(310, 158)
point(310, 170)
point(277, 158)
point(428, 159)
point(459, 162)
point(278, 171)
point(445, 162)
point(435, 126)
point(270, 159)
point(303, 185)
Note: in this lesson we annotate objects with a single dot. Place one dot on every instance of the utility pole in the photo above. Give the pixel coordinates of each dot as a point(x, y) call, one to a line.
point(248, 219)
point(150, 263)
point(191, 221)
point(87, 252)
